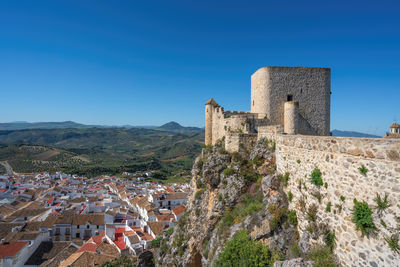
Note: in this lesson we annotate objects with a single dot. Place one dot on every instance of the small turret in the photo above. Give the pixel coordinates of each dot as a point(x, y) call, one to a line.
point(211, 105)
point(291, 114)
point(395, 128)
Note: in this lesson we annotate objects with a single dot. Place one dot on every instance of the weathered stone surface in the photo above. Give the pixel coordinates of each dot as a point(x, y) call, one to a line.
point(343, 178)
point(200, 235)
point(299, 262)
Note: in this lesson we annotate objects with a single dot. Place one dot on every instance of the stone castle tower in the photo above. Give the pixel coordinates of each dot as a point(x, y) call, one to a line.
point(293, 99)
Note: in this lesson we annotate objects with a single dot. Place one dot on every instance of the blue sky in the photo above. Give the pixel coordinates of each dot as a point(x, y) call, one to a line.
point(150, 62)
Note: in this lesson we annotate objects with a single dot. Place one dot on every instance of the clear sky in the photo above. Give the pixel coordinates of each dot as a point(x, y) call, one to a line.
point(150, 62)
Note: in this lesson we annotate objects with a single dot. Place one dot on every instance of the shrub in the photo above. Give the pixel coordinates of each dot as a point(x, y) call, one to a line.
point(342, 198)
point(393, 242)
point(312, 212)
point(322, 257)
point(292, 217)
point(298, 161)
point(169, 231)
point(383, 223)
point(284, 178)
point(278, 215)
point(251, 177)
point(199, 193)
point(363, 170)
point(328, 207)
point(199, 184)
point(326, 185)
point(223, 151)
point(295, 249)
point(309, 229)
point(156, 242)
point(302, 204)
point(362, 217)
point(242, 251)
point(182, 219)
point(247, 205)
point(329, 239)
point(317, 195)
point(339, 207)
point(316, 177)
point(229, 172)
point(200, 164)
point(290, 196)
point(270, 145)
point(381, 203)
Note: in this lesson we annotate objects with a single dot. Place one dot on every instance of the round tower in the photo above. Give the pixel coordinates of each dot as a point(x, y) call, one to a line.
point(210, 106)
point(291, 117)
point(260, 93)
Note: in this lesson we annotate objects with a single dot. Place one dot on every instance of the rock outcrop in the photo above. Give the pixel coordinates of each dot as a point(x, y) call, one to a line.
point(231, 192)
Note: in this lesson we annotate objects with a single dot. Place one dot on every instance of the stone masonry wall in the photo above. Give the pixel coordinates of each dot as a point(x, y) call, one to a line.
point(339, 159)
point(239, 142)
point(270, 87)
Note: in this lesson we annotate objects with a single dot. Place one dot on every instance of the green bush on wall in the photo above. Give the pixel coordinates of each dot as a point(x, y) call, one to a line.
point(316, 177)
point(362, 217)
point(292, 217)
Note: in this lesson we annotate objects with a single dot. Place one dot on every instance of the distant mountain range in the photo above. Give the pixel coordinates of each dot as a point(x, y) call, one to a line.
point(169, 127)
point(177, 128)
point(23, 125)
point(353, 134)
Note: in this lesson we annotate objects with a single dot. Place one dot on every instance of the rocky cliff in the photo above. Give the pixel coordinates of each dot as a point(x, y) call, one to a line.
point(234, 195)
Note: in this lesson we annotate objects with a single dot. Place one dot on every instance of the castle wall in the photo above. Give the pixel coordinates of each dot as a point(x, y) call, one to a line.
point(222, 123)
point(270, 87)
point(218, 130)
point(339, 159)
point(239, 142)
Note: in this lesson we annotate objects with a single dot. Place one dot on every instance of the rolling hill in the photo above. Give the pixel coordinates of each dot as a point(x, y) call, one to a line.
point(94, 151)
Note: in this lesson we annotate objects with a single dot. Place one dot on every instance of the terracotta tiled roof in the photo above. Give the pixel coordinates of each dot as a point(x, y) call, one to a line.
point(107, 249)
point(179, 210)
point(156, 227)
point(212, 102)
point(11, 249)
point(86, 259)
point(134, 239)
point(88, 246)
point(49, 222)
point(22, 236)
point(47, 251)
point(5, 228)
point(6, 209)
point(169, 190)
point(94, 219)
point(179, 195)
point(165, 217)
point(27, 212)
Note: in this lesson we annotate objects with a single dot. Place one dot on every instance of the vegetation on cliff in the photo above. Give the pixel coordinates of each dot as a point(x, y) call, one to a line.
point(237, 214)
point(243, 251)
